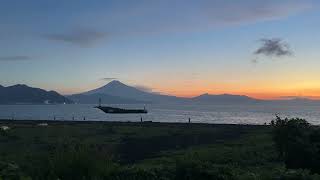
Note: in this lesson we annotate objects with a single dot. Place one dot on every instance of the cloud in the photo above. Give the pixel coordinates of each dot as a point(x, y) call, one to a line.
point(200, 15)
point(123, 19)
point(15, 58)
point(108, 79)
point(275, 47)
point(146, 89)
point(132, 18)
point(79, 37)
point(143, 88)
point(254, 11)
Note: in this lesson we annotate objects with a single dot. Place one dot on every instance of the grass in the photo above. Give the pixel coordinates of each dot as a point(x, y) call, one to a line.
point(101, 150)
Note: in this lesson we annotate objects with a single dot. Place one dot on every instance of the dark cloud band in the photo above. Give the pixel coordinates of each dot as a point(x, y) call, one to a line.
point(79, 37)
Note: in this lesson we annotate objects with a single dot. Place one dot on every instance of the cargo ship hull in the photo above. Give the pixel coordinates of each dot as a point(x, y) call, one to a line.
point(113, 110)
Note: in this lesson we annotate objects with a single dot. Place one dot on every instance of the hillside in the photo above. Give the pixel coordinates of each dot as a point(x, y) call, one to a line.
point(23, 94)
point(223, 99)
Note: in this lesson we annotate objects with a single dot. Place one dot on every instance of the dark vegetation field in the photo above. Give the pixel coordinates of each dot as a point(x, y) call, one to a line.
point(144, 151)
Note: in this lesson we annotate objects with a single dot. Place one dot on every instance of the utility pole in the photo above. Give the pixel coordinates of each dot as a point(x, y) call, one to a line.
point(99, 102)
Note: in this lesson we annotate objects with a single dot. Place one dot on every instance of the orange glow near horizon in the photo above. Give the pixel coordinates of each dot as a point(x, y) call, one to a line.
point(266, 80)
point(257, 91)
point(196, 91)
point(262, 89)
point(267, 92)
point(256, 95)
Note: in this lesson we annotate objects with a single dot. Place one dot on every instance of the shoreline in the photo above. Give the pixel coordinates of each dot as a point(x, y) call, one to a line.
point(69, 122)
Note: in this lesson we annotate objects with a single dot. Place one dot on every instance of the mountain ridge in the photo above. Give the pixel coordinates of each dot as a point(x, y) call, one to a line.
point(119, 89)
point(224, 98)
point(23, 94)
point(116, 92)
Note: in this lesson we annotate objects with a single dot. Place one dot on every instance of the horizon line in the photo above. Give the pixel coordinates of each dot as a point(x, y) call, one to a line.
point(287, 97)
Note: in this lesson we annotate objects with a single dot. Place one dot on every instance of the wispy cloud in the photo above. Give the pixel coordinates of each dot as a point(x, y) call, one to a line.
point(162, 16)
point(123, 19)
point(254, 11)
point(108, 79)
point(143, 88)
point(15, 58)
point(146, 89)
point(273, 47)
point(79, 37)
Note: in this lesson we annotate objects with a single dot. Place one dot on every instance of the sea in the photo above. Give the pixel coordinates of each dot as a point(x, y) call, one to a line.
point(178, 113)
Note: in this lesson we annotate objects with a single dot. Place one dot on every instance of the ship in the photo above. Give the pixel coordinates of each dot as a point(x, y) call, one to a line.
point(113, 110)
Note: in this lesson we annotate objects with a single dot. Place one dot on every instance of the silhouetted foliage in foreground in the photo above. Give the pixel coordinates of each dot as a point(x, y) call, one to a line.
point(298, 143)
point(152, 151)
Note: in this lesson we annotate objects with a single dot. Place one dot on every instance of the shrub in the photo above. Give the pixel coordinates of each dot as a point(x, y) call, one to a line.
point(11, 171)
point(297, 143)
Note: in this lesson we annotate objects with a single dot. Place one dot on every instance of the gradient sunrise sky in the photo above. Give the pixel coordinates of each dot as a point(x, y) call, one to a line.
point(177, 47)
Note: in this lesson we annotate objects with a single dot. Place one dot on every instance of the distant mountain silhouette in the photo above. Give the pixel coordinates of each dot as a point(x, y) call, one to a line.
point(117, 92)
point(23, 94)
point(118, 89)
point(223, 99)
point(296, 101)
point(241, 99)
point(106, 99)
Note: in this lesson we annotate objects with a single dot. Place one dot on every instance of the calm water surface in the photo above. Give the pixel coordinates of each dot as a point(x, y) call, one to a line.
point(231, 114)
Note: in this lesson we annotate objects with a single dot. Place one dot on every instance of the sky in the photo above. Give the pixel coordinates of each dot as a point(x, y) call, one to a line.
point(263, 49)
